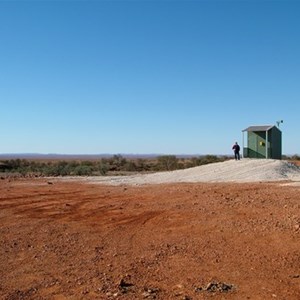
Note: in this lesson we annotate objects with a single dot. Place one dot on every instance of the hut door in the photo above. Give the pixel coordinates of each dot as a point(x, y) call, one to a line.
point(261, 145)
point(252, 145)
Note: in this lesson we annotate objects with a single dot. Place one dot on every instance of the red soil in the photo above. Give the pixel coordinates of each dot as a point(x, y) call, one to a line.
point(63, 240)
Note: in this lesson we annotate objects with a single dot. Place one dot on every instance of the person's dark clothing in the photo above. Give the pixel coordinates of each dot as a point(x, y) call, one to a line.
point(236, 148)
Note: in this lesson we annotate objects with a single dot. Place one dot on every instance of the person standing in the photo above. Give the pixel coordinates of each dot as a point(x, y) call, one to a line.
point(236, 149)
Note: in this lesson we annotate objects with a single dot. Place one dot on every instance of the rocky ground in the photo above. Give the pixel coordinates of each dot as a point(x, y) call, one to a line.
point(75, 240)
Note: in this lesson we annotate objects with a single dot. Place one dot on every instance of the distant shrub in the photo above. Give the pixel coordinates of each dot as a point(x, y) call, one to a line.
point(83, 170)
point(130, 166)
point(167, 162)
point(102, 167)
point(208, 159)
point(295, 157)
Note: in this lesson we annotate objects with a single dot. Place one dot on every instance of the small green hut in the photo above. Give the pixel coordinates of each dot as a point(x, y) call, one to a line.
point(263, 142)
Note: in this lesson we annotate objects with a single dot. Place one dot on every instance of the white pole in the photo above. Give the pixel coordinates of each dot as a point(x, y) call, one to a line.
point(267, 144)
point(243, 145)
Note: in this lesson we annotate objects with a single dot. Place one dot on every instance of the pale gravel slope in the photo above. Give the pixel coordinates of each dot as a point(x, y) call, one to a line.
point(245, 170)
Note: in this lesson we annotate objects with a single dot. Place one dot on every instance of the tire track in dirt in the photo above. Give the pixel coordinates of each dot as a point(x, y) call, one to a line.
point(168, 239)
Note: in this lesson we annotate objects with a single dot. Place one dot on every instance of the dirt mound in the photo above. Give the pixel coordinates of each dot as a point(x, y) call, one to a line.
point(245, 170)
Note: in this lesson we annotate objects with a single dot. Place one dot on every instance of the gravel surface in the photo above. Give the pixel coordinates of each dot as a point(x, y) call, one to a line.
point(79, 241)
point(245, 170)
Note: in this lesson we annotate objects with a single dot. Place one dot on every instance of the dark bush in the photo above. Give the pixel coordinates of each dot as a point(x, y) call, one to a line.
point(167, 162)
point(116, 163)
point(83, 170)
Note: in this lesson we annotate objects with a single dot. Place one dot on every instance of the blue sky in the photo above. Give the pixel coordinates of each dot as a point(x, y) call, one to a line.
point(172, 77)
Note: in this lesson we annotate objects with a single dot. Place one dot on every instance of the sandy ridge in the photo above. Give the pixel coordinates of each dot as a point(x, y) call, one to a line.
point(245, 170)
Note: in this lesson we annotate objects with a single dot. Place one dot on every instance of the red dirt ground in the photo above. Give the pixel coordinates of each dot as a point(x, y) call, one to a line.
point(61, 240)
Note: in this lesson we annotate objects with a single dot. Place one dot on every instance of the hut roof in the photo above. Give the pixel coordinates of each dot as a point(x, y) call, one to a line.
point(259, 128)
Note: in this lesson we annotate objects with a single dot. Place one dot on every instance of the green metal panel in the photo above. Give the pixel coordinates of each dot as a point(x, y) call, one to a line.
point(256, 144)
point(275, 139)
point(261, 144)
point(261, 141)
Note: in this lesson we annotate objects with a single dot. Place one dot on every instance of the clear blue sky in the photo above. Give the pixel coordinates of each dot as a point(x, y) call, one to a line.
point(172, 77)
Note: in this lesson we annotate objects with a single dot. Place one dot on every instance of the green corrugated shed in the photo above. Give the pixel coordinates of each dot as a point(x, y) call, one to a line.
point(263, 142)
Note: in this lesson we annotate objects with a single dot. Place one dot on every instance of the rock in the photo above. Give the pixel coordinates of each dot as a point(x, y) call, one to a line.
point(214, 287)
point(150, 293)
point(124, 286)
point(223, 287)
point(146, 294)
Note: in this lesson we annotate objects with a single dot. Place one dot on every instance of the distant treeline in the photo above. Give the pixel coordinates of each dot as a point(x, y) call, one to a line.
point(291, 157)
point(115, 165)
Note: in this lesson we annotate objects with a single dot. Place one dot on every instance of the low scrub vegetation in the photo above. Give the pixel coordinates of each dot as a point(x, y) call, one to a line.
point(115, 165)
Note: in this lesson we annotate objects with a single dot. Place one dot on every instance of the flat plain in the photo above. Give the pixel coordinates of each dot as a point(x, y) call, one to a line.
point(77, 240)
